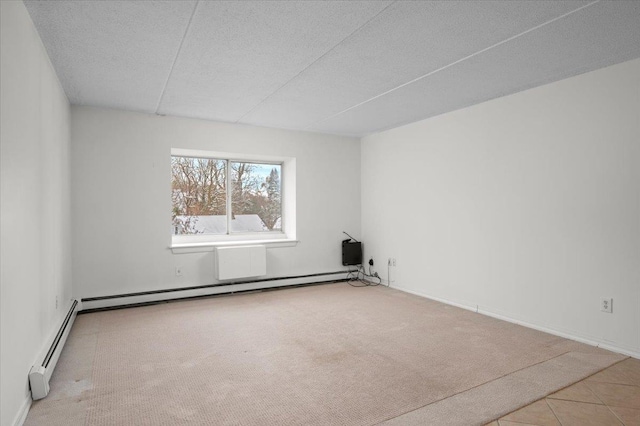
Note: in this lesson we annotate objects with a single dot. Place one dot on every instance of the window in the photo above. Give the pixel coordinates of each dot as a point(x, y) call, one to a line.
point(217, 197)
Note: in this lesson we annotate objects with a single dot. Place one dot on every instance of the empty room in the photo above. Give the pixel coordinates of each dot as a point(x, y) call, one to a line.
point(320, 213)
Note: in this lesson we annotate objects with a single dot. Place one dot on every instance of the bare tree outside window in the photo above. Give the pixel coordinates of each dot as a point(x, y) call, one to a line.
point(199, 196)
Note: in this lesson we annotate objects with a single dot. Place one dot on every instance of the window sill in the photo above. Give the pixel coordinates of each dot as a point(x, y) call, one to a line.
point(183, 248)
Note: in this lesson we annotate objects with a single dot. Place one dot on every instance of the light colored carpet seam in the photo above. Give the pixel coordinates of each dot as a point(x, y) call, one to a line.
point(453, 408)
point(476, 386)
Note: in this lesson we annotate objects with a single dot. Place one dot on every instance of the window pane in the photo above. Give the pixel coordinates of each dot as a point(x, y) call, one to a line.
point(198, 195)
point(256, 197)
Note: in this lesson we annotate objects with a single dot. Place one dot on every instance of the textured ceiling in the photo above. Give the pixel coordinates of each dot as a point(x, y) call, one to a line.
point(349, 68)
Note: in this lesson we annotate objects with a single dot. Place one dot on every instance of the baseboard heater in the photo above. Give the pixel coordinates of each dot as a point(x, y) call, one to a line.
point(298, 280)
point(40, 373)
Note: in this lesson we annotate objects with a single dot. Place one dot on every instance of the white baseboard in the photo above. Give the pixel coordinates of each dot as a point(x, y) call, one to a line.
point(209, 291)
point(21, 415)
point(46, 361)
point(475, 308)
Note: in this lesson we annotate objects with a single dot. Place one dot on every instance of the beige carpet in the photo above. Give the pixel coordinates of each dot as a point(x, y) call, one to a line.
point(322, 355)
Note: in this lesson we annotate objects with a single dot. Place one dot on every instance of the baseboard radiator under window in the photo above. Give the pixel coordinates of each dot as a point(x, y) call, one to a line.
point(40, 373)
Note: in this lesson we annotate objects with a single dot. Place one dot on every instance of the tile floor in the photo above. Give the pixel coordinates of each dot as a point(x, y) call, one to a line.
point(610, 397)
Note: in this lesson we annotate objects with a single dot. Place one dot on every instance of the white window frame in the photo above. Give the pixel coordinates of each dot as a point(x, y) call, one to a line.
point(284, 237)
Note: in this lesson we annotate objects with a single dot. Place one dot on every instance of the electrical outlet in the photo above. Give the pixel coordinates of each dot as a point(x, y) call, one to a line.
point(391, 261)
point(606, 305)
point(56, 302)
point(371, 262)
point(178, 271)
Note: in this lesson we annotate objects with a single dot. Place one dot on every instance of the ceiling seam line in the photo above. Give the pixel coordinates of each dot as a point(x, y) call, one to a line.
point(175, 59)
point(315, 61)
point(453, 63)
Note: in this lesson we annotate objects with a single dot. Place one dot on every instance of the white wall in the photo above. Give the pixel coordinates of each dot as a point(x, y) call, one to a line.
point(35, 206)
point(122, 205)
point(526, 207)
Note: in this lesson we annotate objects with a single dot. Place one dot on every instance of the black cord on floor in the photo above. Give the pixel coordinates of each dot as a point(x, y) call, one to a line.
point(361, 277)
